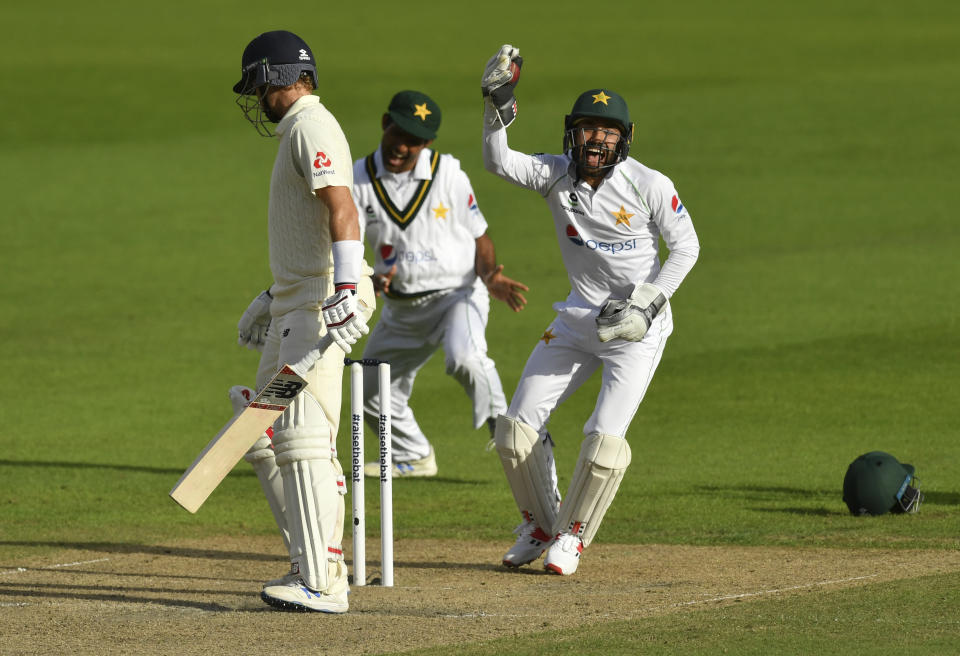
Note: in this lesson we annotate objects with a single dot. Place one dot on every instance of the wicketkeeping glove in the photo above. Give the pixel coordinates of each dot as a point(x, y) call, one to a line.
point(255, 322)
point(500, 79)
point(344, 321)
point(630, 319)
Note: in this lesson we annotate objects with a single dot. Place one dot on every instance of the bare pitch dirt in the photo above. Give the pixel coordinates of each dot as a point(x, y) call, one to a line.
point(202, 597)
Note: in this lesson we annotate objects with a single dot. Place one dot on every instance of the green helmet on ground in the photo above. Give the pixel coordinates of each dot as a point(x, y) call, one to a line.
point(877, 483)
point(602, 104)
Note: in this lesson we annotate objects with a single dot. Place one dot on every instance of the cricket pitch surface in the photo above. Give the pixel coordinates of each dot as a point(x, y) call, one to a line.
point(202, 597)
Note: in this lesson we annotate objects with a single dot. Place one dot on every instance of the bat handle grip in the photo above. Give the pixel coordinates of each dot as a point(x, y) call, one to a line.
point(306, 362)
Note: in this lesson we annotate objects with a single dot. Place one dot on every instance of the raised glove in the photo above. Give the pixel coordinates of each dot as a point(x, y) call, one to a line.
point(255, 322)
point(343, 319)
point(500, 79)
point(630, 319)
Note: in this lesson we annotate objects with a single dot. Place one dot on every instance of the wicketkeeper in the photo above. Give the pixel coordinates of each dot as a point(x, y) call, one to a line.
point(609, 214)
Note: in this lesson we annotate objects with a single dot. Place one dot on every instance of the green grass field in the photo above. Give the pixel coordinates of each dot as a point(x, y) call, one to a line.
point(817, 148)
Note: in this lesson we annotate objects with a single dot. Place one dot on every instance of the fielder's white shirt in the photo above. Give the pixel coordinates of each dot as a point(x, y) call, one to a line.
point(313, 153)
point(609, 236)
point(427, 225)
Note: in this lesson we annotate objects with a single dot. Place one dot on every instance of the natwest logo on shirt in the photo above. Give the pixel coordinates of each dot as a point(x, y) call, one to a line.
point(612, 247)
point(322, 161)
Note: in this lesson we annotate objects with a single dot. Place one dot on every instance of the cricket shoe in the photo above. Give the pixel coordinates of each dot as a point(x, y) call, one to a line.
point(564, 554)
point(421, 468)
point(297, 597)
point(286, 579)
point(531, 542)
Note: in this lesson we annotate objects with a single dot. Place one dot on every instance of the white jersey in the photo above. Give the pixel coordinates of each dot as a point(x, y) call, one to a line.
point(609, 236)
point(313, 153)
point(425, 221)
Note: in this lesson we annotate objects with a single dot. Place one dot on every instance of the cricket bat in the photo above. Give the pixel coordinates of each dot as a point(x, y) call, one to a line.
point(238, 435)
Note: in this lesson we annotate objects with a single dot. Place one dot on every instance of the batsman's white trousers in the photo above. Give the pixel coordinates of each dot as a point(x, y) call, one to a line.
point(408, 333)
point(566, 356)
point(291, 336)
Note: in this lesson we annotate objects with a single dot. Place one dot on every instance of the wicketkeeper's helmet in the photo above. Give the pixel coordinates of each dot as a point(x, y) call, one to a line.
point(599, 103)
point(877, 483)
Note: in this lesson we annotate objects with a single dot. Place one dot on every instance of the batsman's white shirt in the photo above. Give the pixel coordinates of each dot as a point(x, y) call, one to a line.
point(312, 154)
point(609, 240)
point(426, 221)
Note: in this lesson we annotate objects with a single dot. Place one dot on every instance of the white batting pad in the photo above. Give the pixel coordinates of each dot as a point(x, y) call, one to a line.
point(312, 485)
point(600, 468)
point(529, 470)
point(261, 458)
point(315, 517)
point(302, 432)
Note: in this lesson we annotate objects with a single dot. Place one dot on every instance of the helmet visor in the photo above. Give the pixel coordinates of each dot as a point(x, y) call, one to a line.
point(909, 497)
point(595, 148)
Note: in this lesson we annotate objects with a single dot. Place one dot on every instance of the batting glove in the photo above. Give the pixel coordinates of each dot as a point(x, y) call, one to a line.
point(344, 321)
point(631, 318)
point(255, 322)
point(500, 79)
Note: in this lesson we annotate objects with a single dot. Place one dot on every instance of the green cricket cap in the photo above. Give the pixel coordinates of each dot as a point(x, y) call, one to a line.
point(875, 483)
point(416, 113)
point(600, 103)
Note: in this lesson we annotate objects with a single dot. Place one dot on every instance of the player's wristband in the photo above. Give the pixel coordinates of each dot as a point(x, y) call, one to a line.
point(347, 261)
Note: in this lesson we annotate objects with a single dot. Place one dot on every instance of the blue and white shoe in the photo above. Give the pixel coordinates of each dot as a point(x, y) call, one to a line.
point(297, 597)
point(288, 578)
point(423, 467)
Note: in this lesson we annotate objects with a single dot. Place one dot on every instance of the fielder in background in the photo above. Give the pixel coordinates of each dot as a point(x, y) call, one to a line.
point(609, 213)
point(436, 269)
point(320, 285)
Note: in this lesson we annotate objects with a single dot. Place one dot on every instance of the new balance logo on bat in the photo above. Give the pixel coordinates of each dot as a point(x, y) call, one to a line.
point(283, 389)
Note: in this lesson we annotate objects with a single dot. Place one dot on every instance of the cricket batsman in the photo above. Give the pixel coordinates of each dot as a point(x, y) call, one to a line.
point(320, 284)
point(609, 214)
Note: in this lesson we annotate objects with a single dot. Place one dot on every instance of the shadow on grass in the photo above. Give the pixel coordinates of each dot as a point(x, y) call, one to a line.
point(768, 492)
point(942, 498)
point(177, 471)
point(128, 587)
point(123, 587)
point(32, 592)
point(150, 549)
point(810, 512)
point(99, 465)
point(221, 555)
point(458, 481)
point(748, 491)
point(776, 494)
